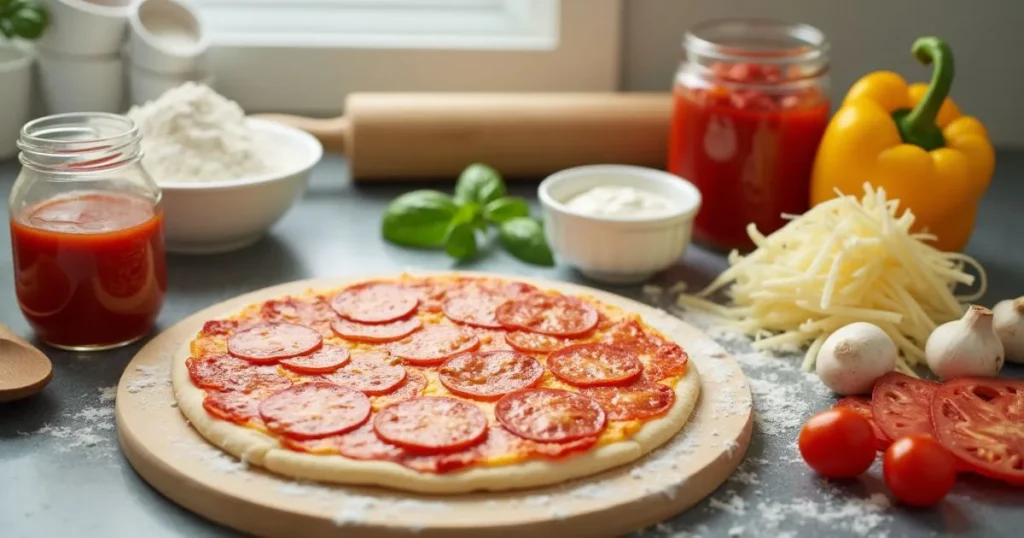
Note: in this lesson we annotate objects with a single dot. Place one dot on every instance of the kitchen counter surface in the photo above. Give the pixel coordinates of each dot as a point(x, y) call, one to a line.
point(62, 472)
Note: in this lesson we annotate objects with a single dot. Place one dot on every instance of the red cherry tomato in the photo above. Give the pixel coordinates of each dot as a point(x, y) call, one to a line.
point(918, 470)
point(838, 443)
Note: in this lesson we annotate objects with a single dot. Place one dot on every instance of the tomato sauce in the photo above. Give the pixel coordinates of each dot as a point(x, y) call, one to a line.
point(749, 153)
point(89, 268)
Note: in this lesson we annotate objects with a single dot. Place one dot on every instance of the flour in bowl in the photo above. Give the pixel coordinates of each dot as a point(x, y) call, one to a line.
point(193, 134)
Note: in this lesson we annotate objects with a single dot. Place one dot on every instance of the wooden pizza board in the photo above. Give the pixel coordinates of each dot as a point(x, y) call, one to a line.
point(178, 462)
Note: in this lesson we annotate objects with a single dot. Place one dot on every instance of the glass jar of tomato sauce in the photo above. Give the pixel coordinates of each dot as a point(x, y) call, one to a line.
point(90, 271)
point(750, 107)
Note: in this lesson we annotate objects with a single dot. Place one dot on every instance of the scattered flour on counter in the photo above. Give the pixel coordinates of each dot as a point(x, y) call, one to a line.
point(859, 516)
point(107, 394)
point(735, 531)
point(733, 503)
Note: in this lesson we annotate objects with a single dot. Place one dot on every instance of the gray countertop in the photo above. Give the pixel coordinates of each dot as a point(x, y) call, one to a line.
point(62, 472)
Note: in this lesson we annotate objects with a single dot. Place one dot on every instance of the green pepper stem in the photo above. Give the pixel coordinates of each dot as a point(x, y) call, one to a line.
point(918, 126)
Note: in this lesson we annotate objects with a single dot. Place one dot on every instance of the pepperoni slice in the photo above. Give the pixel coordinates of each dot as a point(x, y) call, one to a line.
point(376, 334)
point(534, 342)
point(372, 373)
point(313, 410)
point(375, 302)
point(474, 302)
point(550, 415)
point(226, 373)
point(555, 315)
point(431, 424)
point(638, 401)
point(474, 309)
point(590, 365)
point(414, 384)
point(233, 406)
point(489, 375)
point(326, 359)
point(314, 312)
point(664, 359)
point(269, 343)
point(434, 344)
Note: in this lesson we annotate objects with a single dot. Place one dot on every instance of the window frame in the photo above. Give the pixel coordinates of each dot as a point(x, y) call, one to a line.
point(515, 45)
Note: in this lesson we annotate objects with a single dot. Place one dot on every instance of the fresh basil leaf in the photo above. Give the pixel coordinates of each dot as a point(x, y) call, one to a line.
point(479, 183)
point(419, 219)
point(506, 208)
point(524, 238)
point(461, 241)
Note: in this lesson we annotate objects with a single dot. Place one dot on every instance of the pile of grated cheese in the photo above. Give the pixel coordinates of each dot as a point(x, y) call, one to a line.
point(843, 261)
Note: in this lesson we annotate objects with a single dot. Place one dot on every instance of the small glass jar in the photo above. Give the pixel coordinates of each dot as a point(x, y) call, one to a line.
point(750, 107)
point(86, 232)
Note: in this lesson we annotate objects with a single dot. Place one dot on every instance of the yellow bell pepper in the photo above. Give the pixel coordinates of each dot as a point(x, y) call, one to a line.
point(913, 142)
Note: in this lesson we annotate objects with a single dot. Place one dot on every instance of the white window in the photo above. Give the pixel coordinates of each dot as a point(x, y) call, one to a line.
point(305, 55)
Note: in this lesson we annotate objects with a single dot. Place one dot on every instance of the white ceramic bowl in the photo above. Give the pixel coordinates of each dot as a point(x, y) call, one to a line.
point(167, 36)
point(16, 89)
point(204, 218)
point(86, 28)
point(618, 250)
point(72, 83)
point(145, 85)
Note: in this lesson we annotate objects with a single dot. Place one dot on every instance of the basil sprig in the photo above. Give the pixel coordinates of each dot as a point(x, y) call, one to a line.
point(433, 219)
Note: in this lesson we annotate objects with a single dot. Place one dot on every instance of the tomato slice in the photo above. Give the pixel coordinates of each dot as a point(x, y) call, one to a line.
point(862, 406)
point(981, 421)
point(900, 405)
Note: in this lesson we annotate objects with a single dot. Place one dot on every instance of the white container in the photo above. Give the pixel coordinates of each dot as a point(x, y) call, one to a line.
point(86, 28)
point(205, 218)
point(81, 84)
point(167, 36)
point(16, 89)
point(618, 250)
point(145, 85)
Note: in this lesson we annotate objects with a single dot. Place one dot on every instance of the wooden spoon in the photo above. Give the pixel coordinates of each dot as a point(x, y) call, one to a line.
point(24, 370)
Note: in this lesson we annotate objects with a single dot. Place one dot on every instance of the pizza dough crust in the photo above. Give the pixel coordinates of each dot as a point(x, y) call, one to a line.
point(262, 450)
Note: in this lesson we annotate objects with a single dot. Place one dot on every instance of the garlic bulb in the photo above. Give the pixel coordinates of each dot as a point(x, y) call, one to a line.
point(853, 357)
point(1008, 321)
point(965, 347)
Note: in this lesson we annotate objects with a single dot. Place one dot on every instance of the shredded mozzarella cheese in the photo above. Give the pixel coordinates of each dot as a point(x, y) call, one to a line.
point(843, 261)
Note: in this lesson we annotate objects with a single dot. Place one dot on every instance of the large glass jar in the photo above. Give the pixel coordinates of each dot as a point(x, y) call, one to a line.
point(750, 108)
point(87, 237)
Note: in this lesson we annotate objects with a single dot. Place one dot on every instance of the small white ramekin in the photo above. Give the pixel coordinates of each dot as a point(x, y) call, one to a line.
point(167, 36)
point(617, 250)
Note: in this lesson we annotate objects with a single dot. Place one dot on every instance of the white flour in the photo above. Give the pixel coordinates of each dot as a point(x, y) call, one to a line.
point(192, 134)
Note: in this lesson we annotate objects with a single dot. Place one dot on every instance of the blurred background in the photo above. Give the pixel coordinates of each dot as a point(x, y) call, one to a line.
point(305, 56)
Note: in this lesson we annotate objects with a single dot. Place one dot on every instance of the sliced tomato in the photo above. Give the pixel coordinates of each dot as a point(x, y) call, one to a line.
point(900, 405)
point(862, 406)
point(981, 421)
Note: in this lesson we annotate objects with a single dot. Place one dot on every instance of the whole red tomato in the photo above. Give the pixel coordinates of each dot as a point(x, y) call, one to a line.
point(918, 470)
point(838, 443)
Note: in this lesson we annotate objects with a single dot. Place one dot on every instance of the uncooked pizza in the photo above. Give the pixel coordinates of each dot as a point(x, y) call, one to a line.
point(442, 383)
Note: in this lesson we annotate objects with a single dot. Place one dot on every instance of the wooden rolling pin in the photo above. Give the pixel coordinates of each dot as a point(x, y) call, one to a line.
point(435, 135)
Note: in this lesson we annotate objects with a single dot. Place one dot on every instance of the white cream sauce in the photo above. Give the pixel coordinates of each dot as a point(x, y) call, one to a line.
point(621, 202)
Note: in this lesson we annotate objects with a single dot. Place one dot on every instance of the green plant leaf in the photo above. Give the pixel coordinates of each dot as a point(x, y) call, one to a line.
point(461, 241)
point(25, 19)
point(419, 219)
point(524, 238)
point(506, 208)
point(479, 183)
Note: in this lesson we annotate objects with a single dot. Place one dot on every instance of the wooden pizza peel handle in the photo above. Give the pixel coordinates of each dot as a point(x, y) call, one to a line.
point(435, 135)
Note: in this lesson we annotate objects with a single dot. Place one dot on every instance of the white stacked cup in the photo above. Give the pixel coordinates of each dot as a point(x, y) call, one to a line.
point(166, 47)
point(79, 55)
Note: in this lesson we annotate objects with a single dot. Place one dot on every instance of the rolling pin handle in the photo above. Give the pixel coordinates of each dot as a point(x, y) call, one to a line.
point(331, 132)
